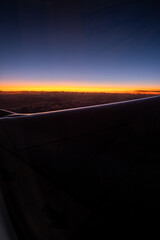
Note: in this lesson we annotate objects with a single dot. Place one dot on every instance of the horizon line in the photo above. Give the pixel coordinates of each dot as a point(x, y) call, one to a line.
point(138, 91)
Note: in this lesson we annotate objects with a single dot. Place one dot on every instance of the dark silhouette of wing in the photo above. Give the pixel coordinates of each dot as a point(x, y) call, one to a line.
point(80, 173)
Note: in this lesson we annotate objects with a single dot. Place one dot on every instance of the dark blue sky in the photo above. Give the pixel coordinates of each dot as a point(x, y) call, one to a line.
point(110, 42)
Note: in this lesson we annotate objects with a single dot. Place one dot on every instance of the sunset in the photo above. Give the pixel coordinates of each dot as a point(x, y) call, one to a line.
point(79, 119)
point(79, 46)
point(77, 86)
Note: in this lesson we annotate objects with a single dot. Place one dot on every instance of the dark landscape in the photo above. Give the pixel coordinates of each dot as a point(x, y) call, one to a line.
point(30, 102)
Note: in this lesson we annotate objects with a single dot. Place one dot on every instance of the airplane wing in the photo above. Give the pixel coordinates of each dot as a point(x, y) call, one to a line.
point(80, 173)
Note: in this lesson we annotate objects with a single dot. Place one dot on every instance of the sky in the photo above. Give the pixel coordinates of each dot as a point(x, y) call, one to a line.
point(88, 45)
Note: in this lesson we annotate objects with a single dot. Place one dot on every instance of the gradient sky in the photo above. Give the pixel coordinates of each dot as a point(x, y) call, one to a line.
point(80, 42)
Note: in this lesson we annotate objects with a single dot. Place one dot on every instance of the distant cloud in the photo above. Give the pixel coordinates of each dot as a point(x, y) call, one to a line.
point(148, 91)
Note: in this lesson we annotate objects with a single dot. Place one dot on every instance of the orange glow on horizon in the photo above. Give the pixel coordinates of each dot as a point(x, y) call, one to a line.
point(76, 87)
